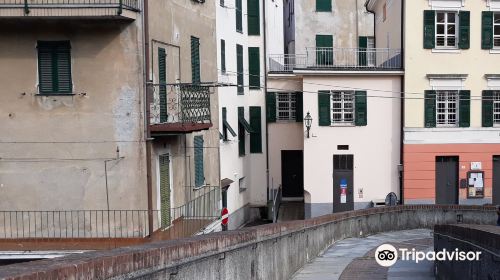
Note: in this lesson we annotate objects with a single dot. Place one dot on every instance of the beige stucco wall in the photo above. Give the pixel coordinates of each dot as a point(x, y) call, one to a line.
point(52, 149)
point(419, 61)
point(171, 25)
point(388, 31)
point(346, 22)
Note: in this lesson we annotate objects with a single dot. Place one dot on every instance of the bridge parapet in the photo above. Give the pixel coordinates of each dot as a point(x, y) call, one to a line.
point(273, 251)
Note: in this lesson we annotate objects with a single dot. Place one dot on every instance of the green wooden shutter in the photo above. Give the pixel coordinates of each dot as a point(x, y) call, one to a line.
point(256, 125)
point(464, 108)
point(323, 5)
point(239, 16)
point(324, 111)
point(199, 174)
point(254, 68)
point(464, 30)
point(239, 68)
point(195, 60)
point(223, 56)
point(487, 108)
point(324, 56)
point(165, 190)
point(487, 31)
point(241, 132)
point(360, 108)
point(429, 29)
point(363, 44)
point(271, 107)
point(54, 67)
point(224, 120)
point(162, 78)
point(299, 104)
point(253, 10)
point(430, 108)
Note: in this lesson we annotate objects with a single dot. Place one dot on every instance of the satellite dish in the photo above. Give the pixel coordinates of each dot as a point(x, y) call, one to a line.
point(391, 199)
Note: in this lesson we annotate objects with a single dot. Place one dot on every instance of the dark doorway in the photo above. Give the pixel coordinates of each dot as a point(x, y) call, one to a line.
point(496, 180)
point(446, 180)
point(292, 174)
point(343, 199)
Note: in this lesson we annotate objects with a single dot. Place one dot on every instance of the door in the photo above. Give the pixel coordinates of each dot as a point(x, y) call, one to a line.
point(496, 180)
point(292, 174)
point(343, 183)
point(164, 161)
point(324, 50)
point(446, 180)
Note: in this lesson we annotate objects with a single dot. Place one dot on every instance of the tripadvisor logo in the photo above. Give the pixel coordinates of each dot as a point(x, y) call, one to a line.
point(386, 255)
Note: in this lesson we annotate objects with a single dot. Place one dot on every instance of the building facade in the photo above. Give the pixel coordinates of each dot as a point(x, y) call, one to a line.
point(333, 109)
point(451, 144)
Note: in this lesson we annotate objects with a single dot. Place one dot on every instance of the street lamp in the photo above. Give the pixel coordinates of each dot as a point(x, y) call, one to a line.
point(308, 120)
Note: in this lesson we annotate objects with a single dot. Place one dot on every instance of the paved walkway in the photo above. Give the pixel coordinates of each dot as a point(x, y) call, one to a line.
point(353, 258)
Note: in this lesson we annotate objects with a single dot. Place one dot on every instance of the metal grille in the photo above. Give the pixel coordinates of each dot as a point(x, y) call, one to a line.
point(446, 29)
point(447, 108)
point(342, 107)
point(496, 30)
point(286, 106)
point(496, 107)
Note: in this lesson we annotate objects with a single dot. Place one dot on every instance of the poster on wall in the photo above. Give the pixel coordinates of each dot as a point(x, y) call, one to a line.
point(343, 191)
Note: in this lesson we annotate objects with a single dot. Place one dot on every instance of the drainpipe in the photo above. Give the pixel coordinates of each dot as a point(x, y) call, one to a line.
point(265, 93)
point(402, 104)
point(147, 130)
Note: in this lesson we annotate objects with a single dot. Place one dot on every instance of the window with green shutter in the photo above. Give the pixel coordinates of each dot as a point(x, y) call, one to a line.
point(324, 111)
point(164, 162)
point(199, 173)
point(464, 108)
point(225, 126)
point(360, 108)
point(254, 68)
point(464, 30)
point(363, 45)
point(299, 104)
point(54, 67)
point(324, 50)
point(430, 108)
point(487, 30)
point(487, 108)
point(429, 29)
point(323, 5)
point(253, 10)
point(256, 134)
point(239, 16)
point(241, 131)
point(162, 79)
point(271, 107)
point(223, 56)
point(239, 69)
point(195, 60)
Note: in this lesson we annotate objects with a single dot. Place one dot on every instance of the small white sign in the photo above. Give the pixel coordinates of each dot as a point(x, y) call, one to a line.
point(475, 165)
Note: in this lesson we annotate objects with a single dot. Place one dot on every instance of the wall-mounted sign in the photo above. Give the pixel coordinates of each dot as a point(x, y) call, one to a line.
point(475, 182)
point(343, 190)
point(476, 165)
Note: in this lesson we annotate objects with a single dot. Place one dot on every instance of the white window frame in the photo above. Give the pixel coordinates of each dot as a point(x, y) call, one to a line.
point(447, 108)
point(289, 109)
point(446, 36)
point(496, 108)
point(496, 37)
point(343, 110)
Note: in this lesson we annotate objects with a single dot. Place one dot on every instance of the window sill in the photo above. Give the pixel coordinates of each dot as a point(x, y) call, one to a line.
point(342, 125)
point(495, 51)
point(446, 51)
point(325, 11)
point(55, 94)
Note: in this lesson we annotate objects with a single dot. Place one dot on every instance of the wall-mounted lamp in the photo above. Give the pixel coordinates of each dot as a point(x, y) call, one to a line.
point(308, 120)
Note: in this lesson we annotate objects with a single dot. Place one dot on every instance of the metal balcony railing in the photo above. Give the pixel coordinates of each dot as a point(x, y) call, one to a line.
point(111, 223)
point(50, 5)
point(338, 59)
point(180, 105)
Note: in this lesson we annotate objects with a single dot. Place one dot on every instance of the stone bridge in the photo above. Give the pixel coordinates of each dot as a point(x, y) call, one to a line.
point(273, 251)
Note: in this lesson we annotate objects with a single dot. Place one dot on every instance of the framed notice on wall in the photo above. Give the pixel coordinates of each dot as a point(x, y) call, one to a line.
point(475, 184)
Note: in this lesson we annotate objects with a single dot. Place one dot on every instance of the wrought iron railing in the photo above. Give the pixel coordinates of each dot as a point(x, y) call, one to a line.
point(28, 5)
point(338, 58)
point(203, 209)
point(180, 103)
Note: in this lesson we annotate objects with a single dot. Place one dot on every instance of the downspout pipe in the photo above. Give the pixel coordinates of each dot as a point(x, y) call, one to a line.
point(147, 134)
point(264, 27)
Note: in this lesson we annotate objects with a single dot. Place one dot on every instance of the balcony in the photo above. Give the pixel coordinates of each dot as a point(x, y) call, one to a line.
point(337, 59)
point(88, 9)
point(179, 108)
